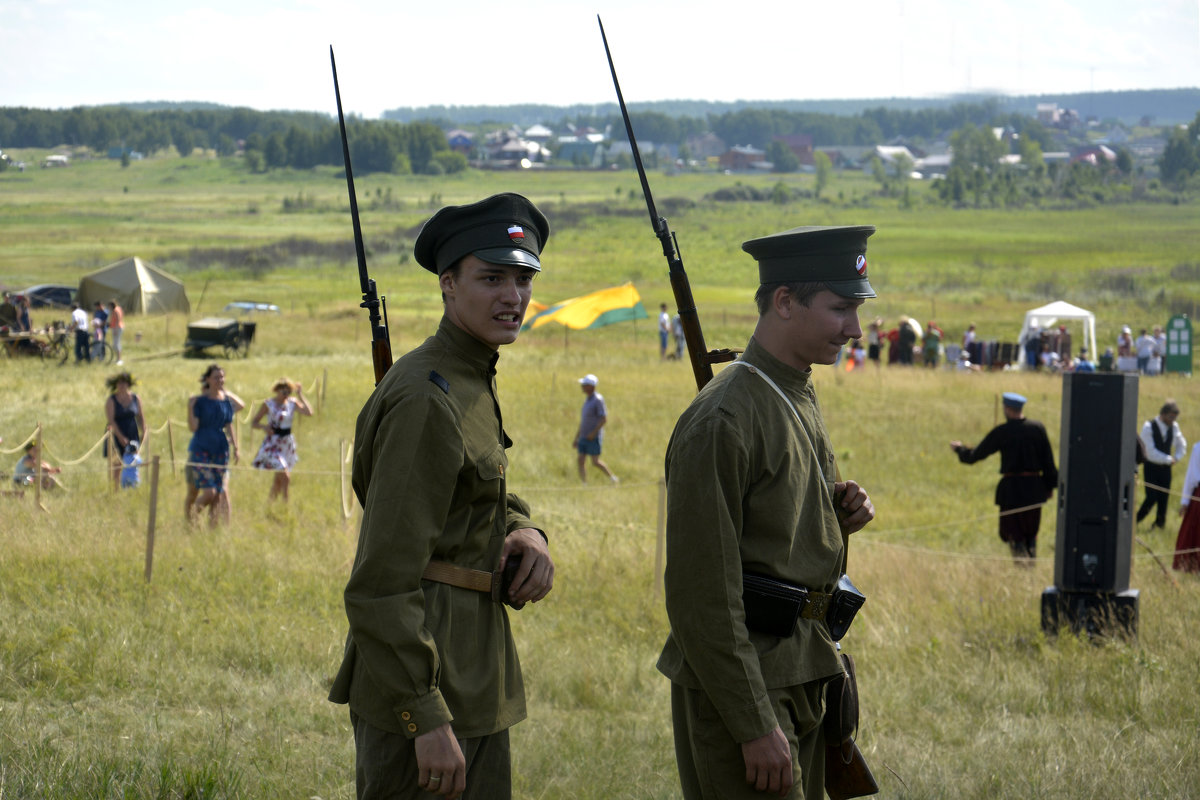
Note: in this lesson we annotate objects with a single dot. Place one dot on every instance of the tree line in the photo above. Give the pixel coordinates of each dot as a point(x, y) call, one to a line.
point(302, 140)
point(269, 139)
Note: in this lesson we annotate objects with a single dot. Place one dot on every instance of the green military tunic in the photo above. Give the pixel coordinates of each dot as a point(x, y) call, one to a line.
point(429, 471)
point(748, 489)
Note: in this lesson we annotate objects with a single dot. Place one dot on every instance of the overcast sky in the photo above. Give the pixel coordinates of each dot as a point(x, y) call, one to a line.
point(270, 54)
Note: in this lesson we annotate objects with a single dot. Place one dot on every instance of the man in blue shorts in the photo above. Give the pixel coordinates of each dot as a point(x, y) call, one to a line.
point(591, 427)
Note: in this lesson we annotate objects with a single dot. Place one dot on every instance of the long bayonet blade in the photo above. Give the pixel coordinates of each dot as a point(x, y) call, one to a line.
point(381, 348)
point(701, 359)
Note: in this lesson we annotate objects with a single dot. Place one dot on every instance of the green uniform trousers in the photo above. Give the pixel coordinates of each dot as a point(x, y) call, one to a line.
point(710, 762)
point(385, 765)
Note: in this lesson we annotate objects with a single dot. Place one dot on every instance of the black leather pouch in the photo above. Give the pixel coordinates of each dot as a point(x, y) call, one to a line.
point(772, 606)
point(846, 602)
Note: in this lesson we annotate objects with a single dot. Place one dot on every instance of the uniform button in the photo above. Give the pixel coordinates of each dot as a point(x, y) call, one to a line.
point(406, 716)
point(412, 727)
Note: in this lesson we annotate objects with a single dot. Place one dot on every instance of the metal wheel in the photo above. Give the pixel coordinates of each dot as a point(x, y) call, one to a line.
point(102, 352)
point(231, 350)
point(58, 351)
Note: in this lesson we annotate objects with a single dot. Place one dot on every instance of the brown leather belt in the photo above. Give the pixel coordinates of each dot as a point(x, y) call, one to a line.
point(463, 577)
point(1021, 475)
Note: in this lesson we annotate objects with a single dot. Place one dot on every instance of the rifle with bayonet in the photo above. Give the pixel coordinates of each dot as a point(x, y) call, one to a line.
point(381, 343)
point(702, 359)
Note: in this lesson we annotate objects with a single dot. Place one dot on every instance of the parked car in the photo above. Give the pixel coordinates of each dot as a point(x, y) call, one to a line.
point(50, 295)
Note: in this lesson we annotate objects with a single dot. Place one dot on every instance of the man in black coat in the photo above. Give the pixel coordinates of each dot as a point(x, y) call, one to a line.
point(1027, 474)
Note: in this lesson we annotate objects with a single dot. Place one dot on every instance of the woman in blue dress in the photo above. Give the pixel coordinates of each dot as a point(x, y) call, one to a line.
point(210, 417)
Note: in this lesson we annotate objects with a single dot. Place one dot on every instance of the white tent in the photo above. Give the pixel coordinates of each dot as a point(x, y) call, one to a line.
point(139, 287)
point(1050, 315)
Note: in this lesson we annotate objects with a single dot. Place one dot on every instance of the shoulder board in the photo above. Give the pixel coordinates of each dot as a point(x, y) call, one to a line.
point(439, 381)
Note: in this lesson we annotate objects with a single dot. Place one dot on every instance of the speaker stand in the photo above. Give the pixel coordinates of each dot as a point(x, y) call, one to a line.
point(1098, 614)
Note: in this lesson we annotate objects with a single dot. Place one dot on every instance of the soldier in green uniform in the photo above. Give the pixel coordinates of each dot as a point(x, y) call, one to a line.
point(430, 668)
point(752, 488)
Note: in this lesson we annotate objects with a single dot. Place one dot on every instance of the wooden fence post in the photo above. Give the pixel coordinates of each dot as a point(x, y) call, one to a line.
point(342, 477)
point(111, 449)
point(153, 517)
point(37, 470)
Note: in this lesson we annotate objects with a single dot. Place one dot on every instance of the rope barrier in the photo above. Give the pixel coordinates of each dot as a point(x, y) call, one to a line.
point(875, 537)
point(70, 463)
point(21, 446)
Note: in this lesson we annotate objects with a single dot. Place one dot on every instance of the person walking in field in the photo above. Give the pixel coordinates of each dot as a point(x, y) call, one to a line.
point(116, 323)
point(664, 330)
point(430, 669)
point(1028, 475)
point(1164, 444)
point(210, 418)
point(278, 450)
point(83, 343)
point(593, 418)
point(753, 488)
point(126, 420)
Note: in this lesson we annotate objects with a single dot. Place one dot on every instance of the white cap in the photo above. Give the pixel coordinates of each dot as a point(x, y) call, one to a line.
point(588, 380)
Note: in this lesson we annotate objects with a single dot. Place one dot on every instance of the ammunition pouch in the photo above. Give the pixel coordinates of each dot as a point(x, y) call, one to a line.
point(773, 606)
point(847, 600)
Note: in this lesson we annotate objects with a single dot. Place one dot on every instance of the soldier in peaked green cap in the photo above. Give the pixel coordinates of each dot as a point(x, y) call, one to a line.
point(501, 229)
point(753, 488)
point(833, 255)
point(430, 669)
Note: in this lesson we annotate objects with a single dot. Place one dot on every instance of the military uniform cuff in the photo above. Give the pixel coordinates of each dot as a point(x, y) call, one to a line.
point(749, 723)
point(422, 714)
point(516, 526)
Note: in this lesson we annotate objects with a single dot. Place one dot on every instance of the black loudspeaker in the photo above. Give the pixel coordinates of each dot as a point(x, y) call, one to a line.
point(1094, 543)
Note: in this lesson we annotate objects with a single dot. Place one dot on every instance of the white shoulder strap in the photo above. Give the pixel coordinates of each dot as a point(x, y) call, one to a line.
point(772, 384)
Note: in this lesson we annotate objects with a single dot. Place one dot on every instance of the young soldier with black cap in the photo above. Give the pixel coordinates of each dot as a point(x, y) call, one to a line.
point(752, 488)
point(1028, 474)
point(430, 669)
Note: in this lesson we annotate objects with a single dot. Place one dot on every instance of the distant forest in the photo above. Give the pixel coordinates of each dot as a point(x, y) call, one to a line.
point(306, 139)
point(302, 140)
point(1161, 106)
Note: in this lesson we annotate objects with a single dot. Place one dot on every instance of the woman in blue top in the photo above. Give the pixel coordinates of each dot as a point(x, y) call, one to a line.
point(210, 417)
point(126, 420)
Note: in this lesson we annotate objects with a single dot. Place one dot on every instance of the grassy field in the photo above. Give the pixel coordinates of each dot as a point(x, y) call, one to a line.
point(209, 679)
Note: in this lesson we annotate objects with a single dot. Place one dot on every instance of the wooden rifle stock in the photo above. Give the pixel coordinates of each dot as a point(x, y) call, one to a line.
point(702, 359)
point(381, 343)
point(846, 773)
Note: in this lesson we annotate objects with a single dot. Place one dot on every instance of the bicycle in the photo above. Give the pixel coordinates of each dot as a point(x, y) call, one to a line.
point(102, 352)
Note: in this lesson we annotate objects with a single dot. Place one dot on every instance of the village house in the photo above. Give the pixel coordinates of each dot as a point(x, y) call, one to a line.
point(742, 157)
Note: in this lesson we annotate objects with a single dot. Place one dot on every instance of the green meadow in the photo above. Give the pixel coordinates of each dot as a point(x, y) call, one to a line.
point(208, 679)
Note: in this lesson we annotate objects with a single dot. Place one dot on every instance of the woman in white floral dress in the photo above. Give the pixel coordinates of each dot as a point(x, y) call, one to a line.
point(278, 451)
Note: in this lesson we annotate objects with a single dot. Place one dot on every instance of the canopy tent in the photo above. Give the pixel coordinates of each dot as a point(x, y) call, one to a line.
point(1039, 319)
point(138, 287)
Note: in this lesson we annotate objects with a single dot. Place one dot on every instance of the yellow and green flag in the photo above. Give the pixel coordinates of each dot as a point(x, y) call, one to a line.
point(595, 310)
